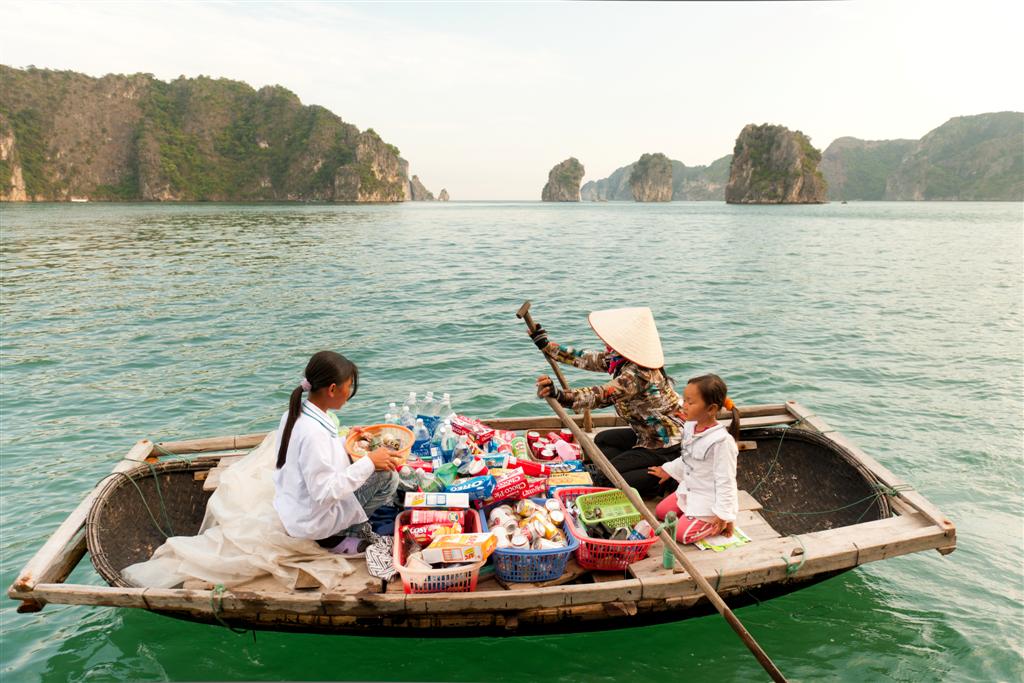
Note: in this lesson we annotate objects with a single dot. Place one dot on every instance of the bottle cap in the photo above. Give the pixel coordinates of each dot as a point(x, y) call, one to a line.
point(456, 462)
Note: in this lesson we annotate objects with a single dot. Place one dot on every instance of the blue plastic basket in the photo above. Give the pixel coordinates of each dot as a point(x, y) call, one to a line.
point(530, 566)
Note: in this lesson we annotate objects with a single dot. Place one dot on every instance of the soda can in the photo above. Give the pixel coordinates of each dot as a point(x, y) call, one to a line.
point(566, 435)
point(526, 507)
point(547, 453)
point(557, 517)
point(501, 515)
point(520, 542)
point(552, 505)
point(531, 437)
point(542, 526)
point(554, 436)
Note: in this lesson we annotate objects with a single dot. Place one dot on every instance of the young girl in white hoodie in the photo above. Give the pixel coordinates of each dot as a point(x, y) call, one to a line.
point(320, 494)
point(706, 501)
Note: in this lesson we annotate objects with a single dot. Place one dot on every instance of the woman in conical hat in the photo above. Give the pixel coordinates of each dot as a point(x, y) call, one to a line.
point(639, 389)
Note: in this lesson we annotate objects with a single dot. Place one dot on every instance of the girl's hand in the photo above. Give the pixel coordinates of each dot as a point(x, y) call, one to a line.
point(659, 472)
point(383, 460)
point(723, 527)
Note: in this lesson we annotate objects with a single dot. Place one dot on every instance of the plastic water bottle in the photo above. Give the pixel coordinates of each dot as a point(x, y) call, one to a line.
point(462, 449)
point(429, 482)
point(421, 440)
point(449, 443)
point(429, 407)
point(406, 418)
point(445, 411)
point(438, 438)
point(410, 403)
point(392, 417)
point(408, 480)
point(436, 459)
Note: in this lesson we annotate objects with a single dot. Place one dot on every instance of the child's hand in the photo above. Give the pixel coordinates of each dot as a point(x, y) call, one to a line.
point(659, 472)
point(723, 527)
point(383, 460)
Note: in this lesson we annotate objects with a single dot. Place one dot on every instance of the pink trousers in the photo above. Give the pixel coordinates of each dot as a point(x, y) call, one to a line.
point(688, 529)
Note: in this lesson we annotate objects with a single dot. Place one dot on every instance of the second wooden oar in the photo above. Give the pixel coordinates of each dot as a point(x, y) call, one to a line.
point(595, 454)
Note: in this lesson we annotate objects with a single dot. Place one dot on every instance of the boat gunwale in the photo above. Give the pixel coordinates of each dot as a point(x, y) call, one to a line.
point(42, 580)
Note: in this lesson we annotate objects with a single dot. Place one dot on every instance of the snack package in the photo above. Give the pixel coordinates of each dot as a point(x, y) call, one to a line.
point(520, 448)
point(535, 488)
point(418, 499)
point(425, 533)
point(509, 486)
point(478, 432)
point(567, 466)
point(477, 488)
point(460, 548)
point(438, 517)
point(571, 479)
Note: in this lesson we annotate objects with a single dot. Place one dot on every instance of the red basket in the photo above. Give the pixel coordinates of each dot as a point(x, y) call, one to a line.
point(455, 580)
point(599, 553)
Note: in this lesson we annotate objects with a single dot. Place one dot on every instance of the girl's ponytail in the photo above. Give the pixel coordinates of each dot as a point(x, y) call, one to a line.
point(323, 369)
point(294, 408)
point(734, 426)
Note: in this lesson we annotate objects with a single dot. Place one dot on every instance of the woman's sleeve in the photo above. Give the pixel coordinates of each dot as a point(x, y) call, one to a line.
point(622, 388)
point(726, 502)
point(325, 477)
point(585, 360)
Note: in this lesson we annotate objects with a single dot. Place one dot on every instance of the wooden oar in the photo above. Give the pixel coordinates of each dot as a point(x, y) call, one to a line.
point(595, 454)
point(524, 314)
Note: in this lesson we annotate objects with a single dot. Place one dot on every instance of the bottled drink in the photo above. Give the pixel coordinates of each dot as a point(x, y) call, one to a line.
point(429, 482)
point(406, 418)
point(429, 407)
point(462, 448)
point(408, 479)
point(447, 473)
point(448, 443)
point(392, 416)
point(410, 403)
point(438, 437)
point(421, 440)
point(445, 411)
point(436, 459)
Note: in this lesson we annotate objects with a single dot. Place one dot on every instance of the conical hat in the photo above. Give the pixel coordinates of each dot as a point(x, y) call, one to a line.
point(632, 333)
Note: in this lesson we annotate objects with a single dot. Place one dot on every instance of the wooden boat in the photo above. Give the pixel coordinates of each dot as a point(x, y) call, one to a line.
point(813, 504)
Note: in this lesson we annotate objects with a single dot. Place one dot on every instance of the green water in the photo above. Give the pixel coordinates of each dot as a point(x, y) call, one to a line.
point(900, 324)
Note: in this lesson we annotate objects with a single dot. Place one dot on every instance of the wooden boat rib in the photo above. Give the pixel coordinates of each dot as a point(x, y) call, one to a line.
point(813, 503)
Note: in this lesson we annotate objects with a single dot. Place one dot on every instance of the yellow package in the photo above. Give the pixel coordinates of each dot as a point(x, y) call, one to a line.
point(460, 548)
point(570, 479)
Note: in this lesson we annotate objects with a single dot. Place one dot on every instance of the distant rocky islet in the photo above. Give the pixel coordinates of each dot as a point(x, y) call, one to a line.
point(66, 135)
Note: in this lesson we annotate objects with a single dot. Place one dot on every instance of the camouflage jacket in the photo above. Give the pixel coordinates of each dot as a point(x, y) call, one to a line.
point(642, 397)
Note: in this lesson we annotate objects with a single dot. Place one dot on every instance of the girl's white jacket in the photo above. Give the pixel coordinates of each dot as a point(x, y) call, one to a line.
point(706, 472)
point(315, 489)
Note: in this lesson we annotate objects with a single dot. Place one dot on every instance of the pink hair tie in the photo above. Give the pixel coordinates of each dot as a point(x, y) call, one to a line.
point(306, 386)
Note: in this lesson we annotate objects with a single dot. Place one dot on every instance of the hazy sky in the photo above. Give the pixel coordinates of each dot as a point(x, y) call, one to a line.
point(484, 98)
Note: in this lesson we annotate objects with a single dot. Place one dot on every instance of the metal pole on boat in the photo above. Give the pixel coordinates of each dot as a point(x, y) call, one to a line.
point(595, 454)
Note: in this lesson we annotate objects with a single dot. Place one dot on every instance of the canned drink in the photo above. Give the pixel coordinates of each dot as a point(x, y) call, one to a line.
point(532, 436)
point(526, 507)
point(547, 453)
point(519, 542)
point(552, 505)
point(502, 535)
point(557, 517)
point(554, 436)
point(566, 435)
point(547, 544)
point(501, 516)
point(542, 526)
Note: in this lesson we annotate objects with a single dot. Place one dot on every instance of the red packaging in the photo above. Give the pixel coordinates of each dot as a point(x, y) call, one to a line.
point(568, 451)
point(538, 446)
point(504, 435)
point(509, 485)
point(534, 489)
point(424, 465)
point(447, 517)
point(567, 436)
point(534, 469)
point(554, 437)
point(424, 533)
point(477, 431)
point(531, 437)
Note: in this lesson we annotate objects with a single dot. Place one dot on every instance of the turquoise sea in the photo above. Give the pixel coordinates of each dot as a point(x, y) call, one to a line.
point(899, 323)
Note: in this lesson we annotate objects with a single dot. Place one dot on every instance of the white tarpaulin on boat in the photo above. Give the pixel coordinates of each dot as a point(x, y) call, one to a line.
point(242, 538)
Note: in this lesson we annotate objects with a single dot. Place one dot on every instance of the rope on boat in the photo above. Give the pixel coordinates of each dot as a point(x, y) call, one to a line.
point(775, 459)
point(881, 490)
point(216, 598)
point(794, 567)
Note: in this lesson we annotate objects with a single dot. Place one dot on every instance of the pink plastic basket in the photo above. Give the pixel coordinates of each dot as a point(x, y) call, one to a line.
point(599, 553)
point(455, 580)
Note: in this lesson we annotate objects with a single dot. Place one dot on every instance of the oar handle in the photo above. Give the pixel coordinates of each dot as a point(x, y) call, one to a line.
point(524, 314)
point(598, 457)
